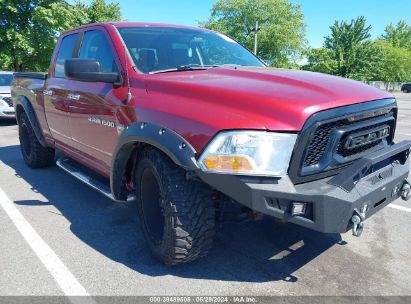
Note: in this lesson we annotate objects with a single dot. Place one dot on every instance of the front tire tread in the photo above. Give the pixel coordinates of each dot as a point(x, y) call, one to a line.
point(189, 210)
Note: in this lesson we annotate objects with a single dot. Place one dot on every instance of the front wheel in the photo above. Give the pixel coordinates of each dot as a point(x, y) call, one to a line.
point(177, 215)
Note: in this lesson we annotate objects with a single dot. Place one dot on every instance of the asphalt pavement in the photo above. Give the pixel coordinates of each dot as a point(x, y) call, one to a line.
point(58, 236)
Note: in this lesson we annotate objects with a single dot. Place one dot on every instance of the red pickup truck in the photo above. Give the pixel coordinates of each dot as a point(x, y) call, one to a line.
point(183, 121)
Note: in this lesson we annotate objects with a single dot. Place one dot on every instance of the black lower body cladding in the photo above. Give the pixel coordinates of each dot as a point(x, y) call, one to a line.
point(329, 207)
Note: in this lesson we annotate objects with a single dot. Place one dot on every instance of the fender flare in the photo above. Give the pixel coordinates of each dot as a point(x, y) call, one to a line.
point(25, 103)
point(166, 140)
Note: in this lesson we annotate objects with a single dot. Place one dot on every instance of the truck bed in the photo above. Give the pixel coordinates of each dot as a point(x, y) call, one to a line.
point(36, 75)
point(28, 88)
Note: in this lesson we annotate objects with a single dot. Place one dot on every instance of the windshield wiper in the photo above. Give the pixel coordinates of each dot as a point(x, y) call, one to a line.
point(188, 67)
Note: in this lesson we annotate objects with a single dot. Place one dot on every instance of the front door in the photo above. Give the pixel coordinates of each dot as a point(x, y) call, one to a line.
point(94, 106)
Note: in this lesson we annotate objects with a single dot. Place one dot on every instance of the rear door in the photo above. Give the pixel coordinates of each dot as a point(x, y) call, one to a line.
point(94, 106)
point(56, 91)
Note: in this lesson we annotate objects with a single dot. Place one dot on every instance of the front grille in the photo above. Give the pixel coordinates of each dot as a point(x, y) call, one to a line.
point(321, 149)
point(321, 138)
point(349, 153)
point(319, 141)
point(8, 101)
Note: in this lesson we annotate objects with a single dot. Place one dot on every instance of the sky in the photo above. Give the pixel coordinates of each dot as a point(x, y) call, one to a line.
point(319, 14)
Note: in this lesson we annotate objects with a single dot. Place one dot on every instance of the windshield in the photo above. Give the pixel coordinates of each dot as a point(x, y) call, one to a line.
point(5, 80)
point(158, 48)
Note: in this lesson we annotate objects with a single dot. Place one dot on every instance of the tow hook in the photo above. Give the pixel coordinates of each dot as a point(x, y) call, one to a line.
point(406, 191)
point(358, 221)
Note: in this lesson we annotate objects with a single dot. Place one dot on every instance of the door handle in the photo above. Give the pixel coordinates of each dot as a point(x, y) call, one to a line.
point(73, 96)
point(48, 92)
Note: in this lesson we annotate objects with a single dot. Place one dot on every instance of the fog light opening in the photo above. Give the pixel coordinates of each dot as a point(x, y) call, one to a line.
point(298, 208)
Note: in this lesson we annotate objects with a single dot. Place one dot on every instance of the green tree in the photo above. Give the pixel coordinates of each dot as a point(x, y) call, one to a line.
point(25, 30)
point(321, 60)
point(395, 64)
point(29, 29)
point(281, 38)
point(349, 52)
point(353, 49)
point(399, 35)
point(99, 11)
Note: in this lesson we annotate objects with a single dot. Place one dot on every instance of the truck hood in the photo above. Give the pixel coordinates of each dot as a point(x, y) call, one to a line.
point(255, 98)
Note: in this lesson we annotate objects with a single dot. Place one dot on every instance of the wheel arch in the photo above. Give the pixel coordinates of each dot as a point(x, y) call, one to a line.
point(23, 104)
point(136, 137)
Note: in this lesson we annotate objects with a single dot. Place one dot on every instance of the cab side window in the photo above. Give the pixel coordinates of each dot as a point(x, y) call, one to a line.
point(96, 46)
point(66, 51)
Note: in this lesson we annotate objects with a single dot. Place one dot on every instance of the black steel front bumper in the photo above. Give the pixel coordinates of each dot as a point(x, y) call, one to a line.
point(374, 181)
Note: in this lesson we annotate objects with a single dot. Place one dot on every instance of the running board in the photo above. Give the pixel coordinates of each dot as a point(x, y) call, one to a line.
point(70, 167)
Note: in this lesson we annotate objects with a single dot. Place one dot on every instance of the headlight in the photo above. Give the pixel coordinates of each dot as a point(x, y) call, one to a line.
point(249, 153)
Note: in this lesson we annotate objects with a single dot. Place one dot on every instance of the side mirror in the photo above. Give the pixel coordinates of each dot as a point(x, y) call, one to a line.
point(88, 70)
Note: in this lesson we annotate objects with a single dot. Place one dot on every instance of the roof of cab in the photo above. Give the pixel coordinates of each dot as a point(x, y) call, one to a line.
point(135, 24)
point(150, 24)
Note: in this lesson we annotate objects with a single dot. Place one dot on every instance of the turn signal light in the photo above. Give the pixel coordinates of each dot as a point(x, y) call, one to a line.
point(229, 163)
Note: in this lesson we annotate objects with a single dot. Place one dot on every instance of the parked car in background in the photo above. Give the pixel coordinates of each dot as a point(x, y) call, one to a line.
point(6, 104)
point(406, 88)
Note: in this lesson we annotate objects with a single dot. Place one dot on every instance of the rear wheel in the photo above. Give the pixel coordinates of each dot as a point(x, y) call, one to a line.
point(34, 154)
point(177, 215)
